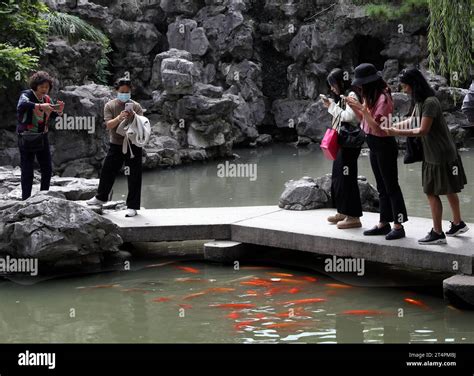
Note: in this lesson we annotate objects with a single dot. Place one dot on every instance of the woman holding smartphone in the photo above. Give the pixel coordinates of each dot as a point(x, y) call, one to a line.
point(344, 186)
point(442, 169)
point(376, 108)
point(115, 111)
point(36, 111)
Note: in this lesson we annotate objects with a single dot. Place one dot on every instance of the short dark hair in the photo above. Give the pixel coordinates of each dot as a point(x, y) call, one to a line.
point(39, 78)
point(122, 82)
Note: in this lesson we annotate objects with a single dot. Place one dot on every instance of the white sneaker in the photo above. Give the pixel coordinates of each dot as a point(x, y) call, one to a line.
point(94, 201)
point(131, 213)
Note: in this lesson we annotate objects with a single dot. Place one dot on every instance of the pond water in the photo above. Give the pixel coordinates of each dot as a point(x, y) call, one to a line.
point(188, 301)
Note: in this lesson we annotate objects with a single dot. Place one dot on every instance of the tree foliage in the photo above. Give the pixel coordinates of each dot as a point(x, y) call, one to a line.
point(74, 29)
point(450, 33)
point(22, 37)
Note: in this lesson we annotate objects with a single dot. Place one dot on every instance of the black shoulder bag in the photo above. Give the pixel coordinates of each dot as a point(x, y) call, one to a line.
point(414, 148)
point(31, 141)
point(350, 136)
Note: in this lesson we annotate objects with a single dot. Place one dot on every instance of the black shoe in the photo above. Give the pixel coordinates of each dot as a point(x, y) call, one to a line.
point(396, 233)
point(433, 238)
point(378, 231)
point(461, 228)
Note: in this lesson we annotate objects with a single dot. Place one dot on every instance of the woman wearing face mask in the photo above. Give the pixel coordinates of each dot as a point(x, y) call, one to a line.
point(36, 111)
point(344, 186)
point(442, 169)
point(377, 107)
point(114, 114)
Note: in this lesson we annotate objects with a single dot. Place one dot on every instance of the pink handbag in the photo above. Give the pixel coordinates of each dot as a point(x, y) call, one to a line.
point(329, 144)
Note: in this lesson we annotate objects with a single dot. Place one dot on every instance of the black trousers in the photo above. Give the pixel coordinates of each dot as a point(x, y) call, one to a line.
point(27, 161)
point(383, 159)
point(112, 166)
point(344, 187)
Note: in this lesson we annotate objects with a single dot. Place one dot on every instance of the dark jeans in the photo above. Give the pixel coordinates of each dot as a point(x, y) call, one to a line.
point(27, 161)
point(383, 159)
point(344, 187)
point(112, 166)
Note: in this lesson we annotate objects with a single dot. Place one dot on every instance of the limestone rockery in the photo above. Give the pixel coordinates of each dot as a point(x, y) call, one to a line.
point(215, 74)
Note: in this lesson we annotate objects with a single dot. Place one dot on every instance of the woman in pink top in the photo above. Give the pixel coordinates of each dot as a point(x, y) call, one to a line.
point(375, 112)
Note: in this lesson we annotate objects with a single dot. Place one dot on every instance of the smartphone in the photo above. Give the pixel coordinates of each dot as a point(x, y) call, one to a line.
point(323, 97)
point(129, 107)
point(55, 106)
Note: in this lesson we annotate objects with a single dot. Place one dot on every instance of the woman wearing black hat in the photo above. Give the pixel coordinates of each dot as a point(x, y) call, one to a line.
point(376, 109)
point(442, 169)
point(344, 186)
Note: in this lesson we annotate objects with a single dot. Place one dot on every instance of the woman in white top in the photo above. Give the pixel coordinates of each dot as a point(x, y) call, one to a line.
point(344, 187)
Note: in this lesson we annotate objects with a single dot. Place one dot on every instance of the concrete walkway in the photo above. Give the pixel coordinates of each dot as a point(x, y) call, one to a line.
point(300, 231)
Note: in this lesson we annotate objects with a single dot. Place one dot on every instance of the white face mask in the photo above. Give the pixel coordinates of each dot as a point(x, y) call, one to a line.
point(124, 97)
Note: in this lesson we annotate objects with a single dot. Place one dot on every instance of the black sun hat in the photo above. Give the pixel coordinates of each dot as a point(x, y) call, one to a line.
point(365, 73)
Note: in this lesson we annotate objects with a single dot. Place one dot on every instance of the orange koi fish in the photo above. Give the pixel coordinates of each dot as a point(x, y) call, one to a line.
point(305, 301)
point(256, 282)
point(309, 279)
point(280, 274)
point(291, 281)
point(161, 300)
point(185, 306)
point(220, 289)
point(278, 290)
point(416, 302)
point(233, 315)
point(338, 286)
point(195, 295)
point(188, 269)
point(243, 324)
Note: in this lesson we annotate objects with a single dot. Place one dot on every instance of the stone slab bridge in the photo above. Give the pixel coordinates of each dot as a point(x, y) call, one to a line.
point(306, 231)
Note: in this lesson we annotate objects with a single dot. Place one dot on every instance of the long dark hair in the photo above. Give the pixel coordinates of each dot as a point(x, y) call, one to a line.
point(421, 89)
point(336, 78)
point(373, 90)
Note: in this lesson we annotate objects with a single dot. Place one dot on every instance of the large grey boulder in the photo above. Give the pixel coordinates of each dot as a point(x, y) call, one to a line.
point(178, 75)
point(287, 112)
point(173, 53)
point(303, 194)
point(60, 59)
point(187, 7)
point(185, 35)
point(85, 147)
point(161, 151)
point(314, 121)
point(56, 232)
point(313, 193)
point(134, 36)
point(73, 189)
